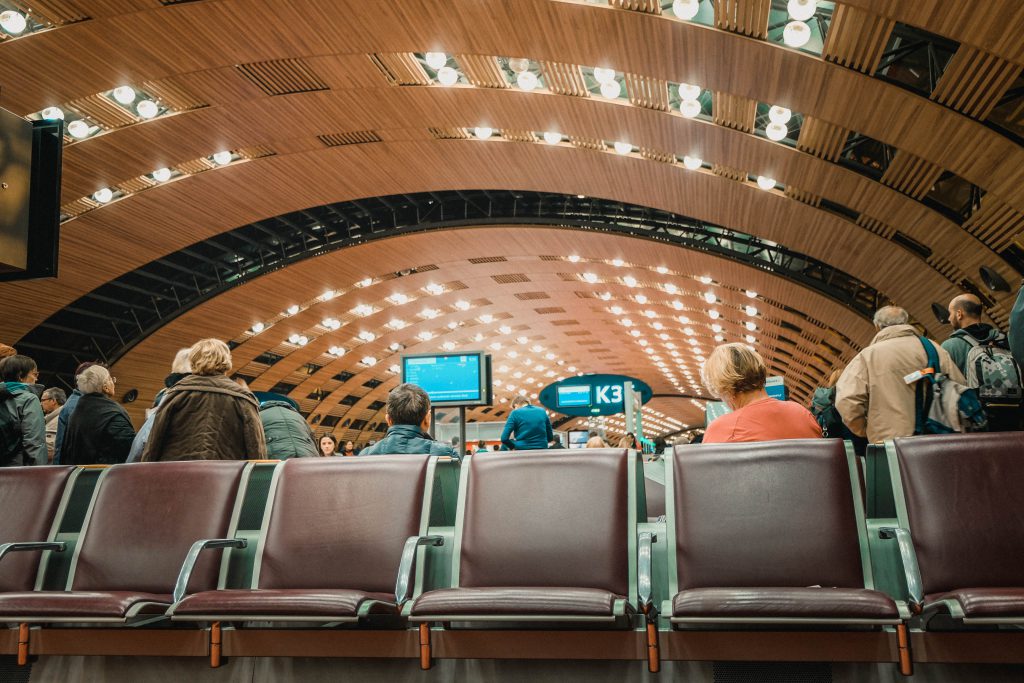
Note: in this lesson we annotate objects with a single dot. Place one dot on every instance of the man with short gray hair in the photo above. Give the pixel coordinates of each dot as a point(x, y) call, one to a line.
point(876, 393)
point(408, 416)
point(52, 401)
point(99, 431)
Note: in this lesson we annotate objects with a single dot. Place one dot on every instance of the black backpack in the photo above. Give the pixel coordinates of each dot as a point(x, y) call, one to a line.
point(10, 428)
point(823, 407)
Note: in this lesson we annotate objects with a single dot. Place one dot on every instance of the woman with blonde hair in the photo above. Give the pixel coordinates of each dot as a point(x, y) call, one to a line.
point(206, 415)
point(737, 374)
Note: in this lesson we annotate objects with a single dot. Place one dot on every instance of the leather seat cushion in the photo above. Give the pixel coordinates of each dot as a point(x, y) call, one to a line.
point(284, 602)
point(79, 604)
point(984, 602)
point(591, 602)
point(806, 603)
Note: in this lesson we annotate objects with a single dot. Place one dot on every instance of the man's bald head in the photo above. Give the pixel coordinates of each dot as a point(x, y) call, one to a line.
point(965, 310)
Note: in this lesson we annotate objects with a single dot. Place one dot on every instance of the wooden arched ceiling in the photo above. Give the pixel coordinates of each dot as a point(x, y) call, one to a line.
point(322, 102)
point(515, 292)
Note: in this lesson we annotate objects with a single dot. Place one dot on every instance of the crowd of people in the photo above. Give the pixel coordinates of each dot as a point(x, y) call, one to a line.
point(900, 384)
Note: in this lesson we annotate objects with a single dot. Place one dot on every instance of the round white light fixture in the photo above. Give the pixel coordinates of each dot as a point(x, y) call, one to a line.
point(688, 91)
point(13, 22)
point(436, 60)
point(78, 129)
point(751, 325)
point(779, 114)
point(710, 297)
point(685, 9)
point(796, 34)
point(52, 113)
point(801, 10)
point(623, 148)
point(751, 294)
point(161, 175)
point(292, 310)
point(462, 305)
point(574, 258)
point(519, 64)
point(776, 131)
point(367, 336)
point(447, 76)
point(124, 94)
point(604, 75)
point(552, 138)
point(750, 338)
point(692, 163)
point(526, 80)
point(590, 277)
point(222, 158)
point(365, 282)
point(103, 195)
point(611, 90)
point(369, 361)
point(448, 345)
point(629, 281)
point(750, 310)
point(765, 183)
point(258, 327)
point(293, 338)
point(147, 109)
point(714, 315)
point(689, 108)
point(483, 132)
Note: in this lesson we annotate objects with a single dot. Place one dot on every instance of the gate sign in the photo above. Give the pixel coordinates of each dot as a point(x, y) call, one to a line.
point(592, 394)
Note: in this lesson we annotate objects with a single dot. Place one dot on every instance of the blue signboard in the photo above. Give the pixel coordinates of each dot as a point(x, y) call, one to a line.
point(592, 394)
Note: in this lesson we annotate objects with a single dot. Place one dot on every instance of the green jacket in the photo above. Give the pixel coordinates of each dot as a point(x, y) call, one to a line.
point(286, 432)
point(25, 407)
point(958, 347)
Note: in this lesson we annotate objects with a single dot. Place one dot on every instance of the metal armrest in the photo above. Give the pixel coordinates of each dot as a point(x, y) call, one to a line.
point(405, 566)
point(644, 556)
point(185, 575)
point(55, 546)
point(908, 557)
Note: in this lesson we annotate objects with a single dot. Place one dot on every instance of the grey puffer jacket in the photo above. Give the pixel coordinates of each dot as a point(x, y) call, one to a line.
point(287, 434)
point(23, 404)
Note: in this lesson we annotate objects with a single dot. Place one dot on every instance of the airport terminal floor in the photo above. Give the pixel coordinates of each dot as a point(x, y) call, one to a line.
point(623, 305)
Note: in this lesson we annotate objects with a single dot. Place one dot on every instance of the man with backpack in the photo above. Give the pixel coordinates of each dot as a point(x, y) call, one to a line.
point(982, 353)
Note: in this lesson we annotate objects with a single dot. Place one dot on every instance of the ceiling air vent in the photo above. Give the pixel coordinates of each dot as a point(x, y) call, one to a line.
point(510, 278)
point(532, 296)
point(282, 76)
point(488, 259)
point(356, 137)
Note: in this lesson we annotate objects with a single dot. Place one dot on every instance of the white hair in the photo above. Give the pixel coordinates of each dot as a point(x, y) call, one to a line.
point(181, 363)
point(93, 379)
point(887, 316)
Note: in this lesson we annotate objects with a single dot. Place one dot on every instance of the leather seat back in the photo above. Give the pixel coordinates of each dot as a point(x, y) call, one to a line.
point(963, 495)
point(554, 518)
point(770, 514)
point(31, 497)
point(146, 516)
point(342, 522)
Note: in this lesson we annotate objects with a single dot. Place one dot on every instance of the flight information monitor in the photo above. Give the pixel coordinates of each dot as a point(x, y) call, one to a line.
point(573, 395)
point(450, 379)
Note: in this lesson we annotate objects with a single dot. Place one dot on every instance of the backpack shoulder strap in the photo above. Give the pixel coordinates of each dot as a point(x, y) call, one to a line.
point(932, 354)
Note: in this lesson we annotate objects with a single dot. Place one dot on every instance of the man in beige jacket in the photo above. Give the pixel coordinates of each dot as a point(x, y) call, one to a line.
point(872, 395)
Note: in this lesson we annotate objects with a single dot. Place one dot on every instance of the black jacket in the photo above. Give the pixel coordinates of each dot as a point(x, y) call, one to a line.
point(99, 432)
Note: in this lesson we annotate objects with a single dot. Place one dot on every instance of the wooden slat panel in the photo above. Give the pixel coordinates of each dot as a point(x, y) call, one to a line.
point(482, 71)
point(947, 268)
point(195, 166)
point(647, 92)
point(802, 196)
point(518, 135)
point(822, 139)
point(876, 226)
point(54, 12)
point(449, 133)
point(733, 111)
point(995, 223)
point(355, 137)
point(282, 76)
point(646, 6)
point(729, 172)
point(587, 143)
point(174, 95)
point(79, 206)
point(256, 152)
point(974, 81)
point(400, 68)
point(749, 17)
point(564, 79)
point(104, 111)
point(657, 155)
point(136, 184)
point(856, 38)
point(911, 174)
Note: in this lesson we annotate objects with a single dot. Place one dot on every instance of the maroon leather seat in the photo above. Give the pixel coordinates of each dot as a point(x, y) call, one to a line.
point(31, 498)
point(963, 506)
point(545, 534)
point(142, 522)
point(767, 532)
point(331, 545)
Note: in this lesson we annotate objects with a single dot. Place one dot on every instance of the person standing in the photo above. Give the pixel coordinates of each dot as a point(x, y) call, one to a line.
point(52, 402)
point(22, 427)
point(65, 413)
point(287, 434)
point(527, 427)
point(100, 432)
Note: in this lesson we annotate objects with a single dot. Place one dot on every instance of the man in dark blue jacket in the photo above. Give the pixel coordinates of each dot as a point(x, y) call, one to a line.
point(408, 416)
point(529, 425)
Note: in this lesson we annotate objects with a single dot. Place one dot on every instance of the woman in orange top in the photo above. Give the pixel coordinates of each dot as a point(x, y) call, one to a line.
point(737, 375)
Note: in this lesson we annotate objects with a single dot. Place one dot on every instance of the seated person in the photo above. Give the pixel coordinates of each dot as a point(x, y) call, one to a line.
point(736, 374)
point(408, 417)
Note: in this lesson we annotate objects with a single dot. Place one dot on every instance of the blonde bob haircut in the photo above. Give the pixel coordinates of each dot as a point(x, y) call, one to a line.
point(733, 369)
point(210, 357)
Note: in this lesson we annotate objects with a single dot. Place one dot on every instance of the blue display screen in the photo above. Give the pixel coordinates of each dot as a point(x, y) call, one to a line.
point(445, 378)
point(574, 396)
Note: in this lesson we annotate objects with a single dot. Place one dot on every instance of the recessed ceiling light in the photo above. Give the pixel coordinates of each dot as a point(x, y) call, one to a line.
point(161, 175)
point(714, 315)
point(292, 310)
point(486, 318)
point(750, 293)
point(483, 132)
point(425, 335)
point(603, 75)
point(394, 346)
point(258, 327)
point(103, 195)
point(13, 22)
point(434, 288)
point(765, 183)
point(367, 336)
point(436, 60)
point(526, 80)
point(396, 323)
point(750, 310)
point(52, 113)
point(505, 329)
point(124, 94)
point(336, 351)
point(369, 361)
point(147, 109)
point(365, 282)
point(629, 281)
point(78, 129)
point(363, 310)
point(462, 305)
point(779, 114)
point(710, 297)
point(430, 313)
point(454, 324)
point(689, 108)
point(590, 277)
point(447, 76)
point(801, 10)
point(222, 158)
point(796, 34)
point(751, 325)
point(776, 131)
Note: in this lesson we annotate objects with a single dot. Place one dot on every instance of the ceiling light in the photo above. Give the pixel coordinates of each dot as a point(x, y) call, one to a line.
point(161, 175)
point(368, 361)
point(336, 351)
point(430, 313)
point(650, 314)
point(448, 346)
point(611, 90)
point(103, 195)
point(486, 318)
point(716, 328)
point(483, 132)
point(367, 336)
point(629, 281)
point(462, 305)
point(365, 282)
point(13, 22)
point(689, 331)
point(394, 369)
point(750, 293)
point(52, 113)
point(124, 94)
point(664, 337)
point(398, 298)
point(434, 288)
point(331, 323)
point(363, 310)
point(513, 354)
point(710, 297)
point(779, 114)
point(447, 76)
point(685, 9)
point(677, 304)
point(394, 346)
point(505, 329)
point(549, 356)
point(436, 60)
point(750, 338)
point(796, 34)
point(705, 279)
point(526, 80)
point(397, 323)
point(552, 138)
point(776, 131)
point(537, 348)
point(626, 322)
point(222, 158)
point(292, 310)
point(751, 325)
point(683, 319)
point(573, 258)
point(518, 64)
point(765, 183)
point(642, 342)
point(623, 148)
point(640, 299)
point(605, 296)
point(571, 368)
point(688, 91)
point(635, 333)
point(689, 108)
point(616, 310)
point(604, 75)
point(801, 10)
point(714, 315)
point(293, 338)
point(496, 346)
point(670, 288)
point(658, 326)
point(147, 109)
point(478, 337)
point(522, 340)
point(258, 327)
point(750, 310)
point(425, 335)
point(78, 129)
point(590, 277)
